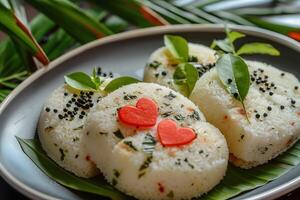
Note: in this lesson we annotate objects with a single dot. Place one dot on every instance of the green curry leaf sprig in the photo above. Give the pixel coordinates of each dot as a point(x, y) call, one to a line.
point(232, 69)
point(186, 75)
point(84, 82)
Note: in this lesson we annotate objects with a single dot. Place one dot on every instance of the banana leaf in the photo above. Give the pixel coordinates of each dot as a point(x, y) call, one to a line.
point(17, 29)
point(169, 16)
point(235, 182)
point(280, 28)
point(72, 19)
point(33, 150)
point(24, 54)
point(282, 10)
point(182, 13)
point(239, 180)
point(132, 11)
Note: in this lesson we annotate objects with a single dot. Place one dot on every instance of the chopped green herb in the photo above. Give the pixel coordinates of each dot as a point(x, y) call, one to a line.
point(75, 139)
point(141, 174)
point(149, 143)
point(193, 59)
point(170, 96)
point(114, 182)
point(146, 163)
point(155, 64)
point(78, 128)
point(49, 128)
point(170, 194)
point(129, 97)
point(62, 154)
point(119, 134)
point(129, 143)
point(178, 161)
point(116, 173)
point(102, 133)
point(167, 114)
point(179, 117)
point(195, 115)
point(189, 164)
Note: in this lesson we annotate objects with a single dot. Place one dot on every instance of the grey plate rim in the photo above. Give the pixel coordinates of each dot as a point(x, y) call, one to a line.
point(35, 194)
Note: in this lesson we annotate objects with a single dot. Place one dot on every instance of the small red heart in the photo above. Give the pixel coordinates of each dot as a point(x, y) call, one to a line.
point(143, 115)
point(170, 135)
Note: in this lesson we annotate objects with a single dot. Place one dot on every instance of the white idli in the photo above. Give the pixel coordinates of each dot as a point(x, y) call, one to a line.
point(272, 106)
point(161, 65)
point(135, 162)
point(62, 125)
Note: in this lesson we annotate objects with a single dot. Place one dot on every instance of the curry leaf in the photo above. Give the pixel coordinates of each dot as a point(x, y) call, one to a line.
point(233, 73)
point(33, 149)
point(258, 48)
point(185, 77)
point(178, 47)
point(95, 78)
point(223, 45)
point(233, 36)
point(80, 81)
point(119, 82)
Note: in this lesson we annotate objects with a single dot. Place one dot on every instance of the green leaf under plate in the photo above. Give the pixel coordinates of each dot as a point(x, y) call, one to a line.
point(258, 48)
point(236, 180)
point(33, 149)
point(80, 81)
point(178, 47)
point(119, 82)
point(239, 180)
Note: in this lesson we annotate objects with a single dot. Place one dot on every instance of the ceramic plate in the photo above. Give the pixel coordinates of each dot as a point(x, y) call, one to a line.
point(123, 54)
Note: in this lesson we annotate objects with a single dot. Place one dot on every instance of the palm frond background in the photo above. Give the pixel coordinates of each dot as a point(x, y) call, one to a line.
point(61, 25)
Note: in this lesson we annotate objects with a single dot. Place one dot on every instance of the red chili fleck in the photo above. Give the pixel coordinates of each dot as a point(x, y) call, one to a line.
point(152, 17)
point(294, 35)
point(88, 158)
point(292, 123)
point(298, 113)
point(225, 117)
point(161, 188)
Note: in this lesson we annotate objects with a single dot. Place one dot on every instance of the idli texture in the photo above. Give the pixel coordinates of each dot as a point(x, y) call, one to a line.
point(161, 65)
point(153, 143)
point(62, 126)
point(272, 106)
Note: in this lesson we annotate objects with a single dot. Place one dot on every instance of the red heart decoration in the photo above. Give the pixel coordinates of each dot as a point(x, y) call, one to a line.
point(143, 115)
point(170, 135)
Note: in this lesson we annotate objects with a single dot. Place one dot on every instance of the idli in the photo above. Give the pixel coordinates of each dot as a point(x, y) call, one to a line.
point(272, 106)
point(62, 125)
point(151, 142)
point(161, 65)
